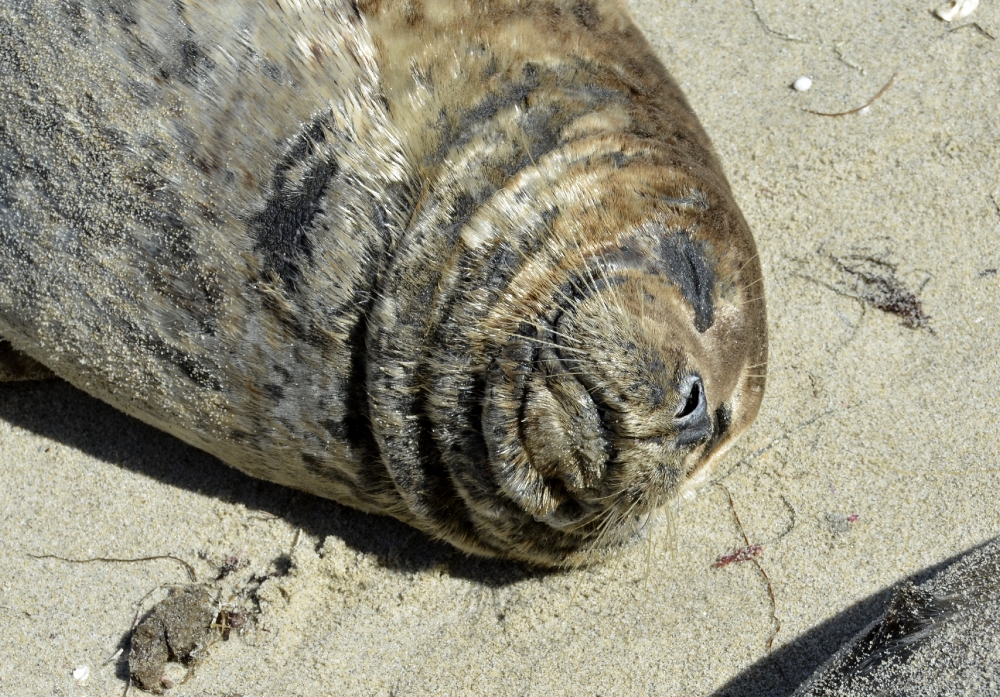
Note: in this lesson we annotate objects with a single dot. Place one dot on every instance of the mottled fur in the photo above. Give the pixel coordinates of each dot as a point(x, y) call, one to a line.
point(470, 264)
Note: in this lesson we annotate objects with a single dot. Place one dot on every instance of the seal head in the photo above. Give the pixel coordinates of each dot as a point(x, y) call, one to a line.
point(613, 368)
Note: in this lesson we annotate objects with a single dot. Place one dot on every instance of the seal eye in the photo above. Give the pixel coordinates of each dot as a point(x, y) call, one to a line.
point(692, 420)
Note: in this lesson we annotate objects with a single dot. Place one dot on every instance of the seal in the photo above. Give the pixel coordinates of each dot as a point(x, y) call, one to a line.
point(474, 265)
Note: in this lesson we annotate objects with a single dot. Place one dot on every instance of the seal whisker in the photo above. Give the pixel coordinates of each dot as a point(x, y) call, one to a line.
point(751, 284)
point(564, 336)
point(755, 258)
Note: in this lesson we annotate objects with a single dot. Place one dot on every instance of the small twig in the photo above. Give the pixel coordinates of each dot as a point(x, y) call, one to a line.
point(753, 557)
point(113, 560)
point(878, 287)
point(794, 521)
point(843, 59)
point(769, 30)
point(975, 25)
point(863, 106)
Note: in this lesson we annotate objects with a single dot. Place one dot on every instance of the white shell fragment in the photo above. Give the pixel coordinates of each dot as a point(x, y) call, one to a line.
point(958, 10)
point(80, 675)
point(802, 84)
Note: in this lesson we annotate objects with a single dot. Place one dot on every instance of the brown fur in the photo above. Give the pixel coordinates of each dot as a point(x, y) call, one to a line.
point(470, 264)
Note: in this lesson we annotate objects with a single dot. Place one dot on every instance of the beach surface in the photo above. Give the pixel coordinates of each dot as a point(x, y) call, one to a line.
point(875, 457)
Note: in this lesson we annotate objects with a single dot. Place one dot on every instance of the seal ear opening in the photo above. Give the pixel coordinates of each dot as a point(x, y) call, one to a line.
point(692, 420)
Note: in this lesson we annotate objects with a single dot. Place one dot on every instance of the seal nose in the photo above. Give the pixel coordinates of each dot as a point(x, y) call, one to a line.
point(692, 420)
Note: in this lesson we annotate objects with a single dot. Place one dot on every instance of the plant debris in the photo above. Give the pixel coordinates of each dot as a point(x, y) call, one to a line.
point(873, 281)
point(738, 555)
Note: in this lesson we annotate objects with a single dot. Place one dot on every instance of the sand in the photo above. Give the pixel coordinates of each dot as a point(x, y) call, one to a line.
point(874, 458)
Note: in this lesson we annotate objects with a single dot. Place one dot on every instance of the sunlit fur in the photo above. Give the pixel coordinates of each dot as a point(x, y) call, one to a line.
point(468, 264)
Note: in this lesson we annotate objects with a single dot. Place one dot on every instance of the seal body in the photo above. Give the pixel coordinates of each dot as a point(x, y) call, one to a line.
point(470, 264)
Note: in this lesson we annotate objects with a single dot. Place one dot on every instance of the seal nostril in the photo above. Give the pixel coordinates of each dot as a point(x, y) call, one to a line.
point(694, 398)
point(693, 422)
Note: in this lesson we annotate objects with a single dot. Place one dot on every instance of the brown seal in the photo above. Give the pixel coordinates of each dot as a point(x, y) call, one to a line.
point(471, 264)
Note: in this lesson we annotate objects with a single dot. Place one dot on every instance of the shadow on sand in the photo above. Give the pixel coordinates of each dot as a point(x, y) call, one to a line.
point(58, 411)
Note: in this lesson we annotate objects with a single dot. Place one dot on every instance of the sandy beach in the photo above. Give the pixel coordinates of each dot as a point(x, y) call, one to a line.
point(875, 457)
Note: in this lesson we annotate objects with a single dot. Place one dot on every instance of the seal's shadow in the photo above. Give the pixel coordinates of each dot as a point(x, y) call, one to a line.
point(58, 411)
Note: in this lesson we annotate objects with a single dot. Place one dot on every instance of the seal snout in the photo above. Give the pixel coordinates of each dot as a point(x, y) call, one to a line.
point(692, 422)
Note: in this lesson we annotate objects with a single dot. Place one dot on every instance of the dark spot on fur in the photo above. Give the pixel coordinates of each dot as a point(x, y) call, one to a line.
point(491, 68)
point(196, 370)
point(312, 463)
point(382, 224)
point(120, 11)
point(286, 377)
point(683, 261)
point(73, 11)
point(414, 13)
point(275, 392)
point(462, 209)
point(512, 93)
point(282, 228)
point(723, 419)
point(334, 428)
point(586, 14)
point(192, 60)
point(501, 266)
point(527, 330)
point(542, 127)
point(655, 368)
